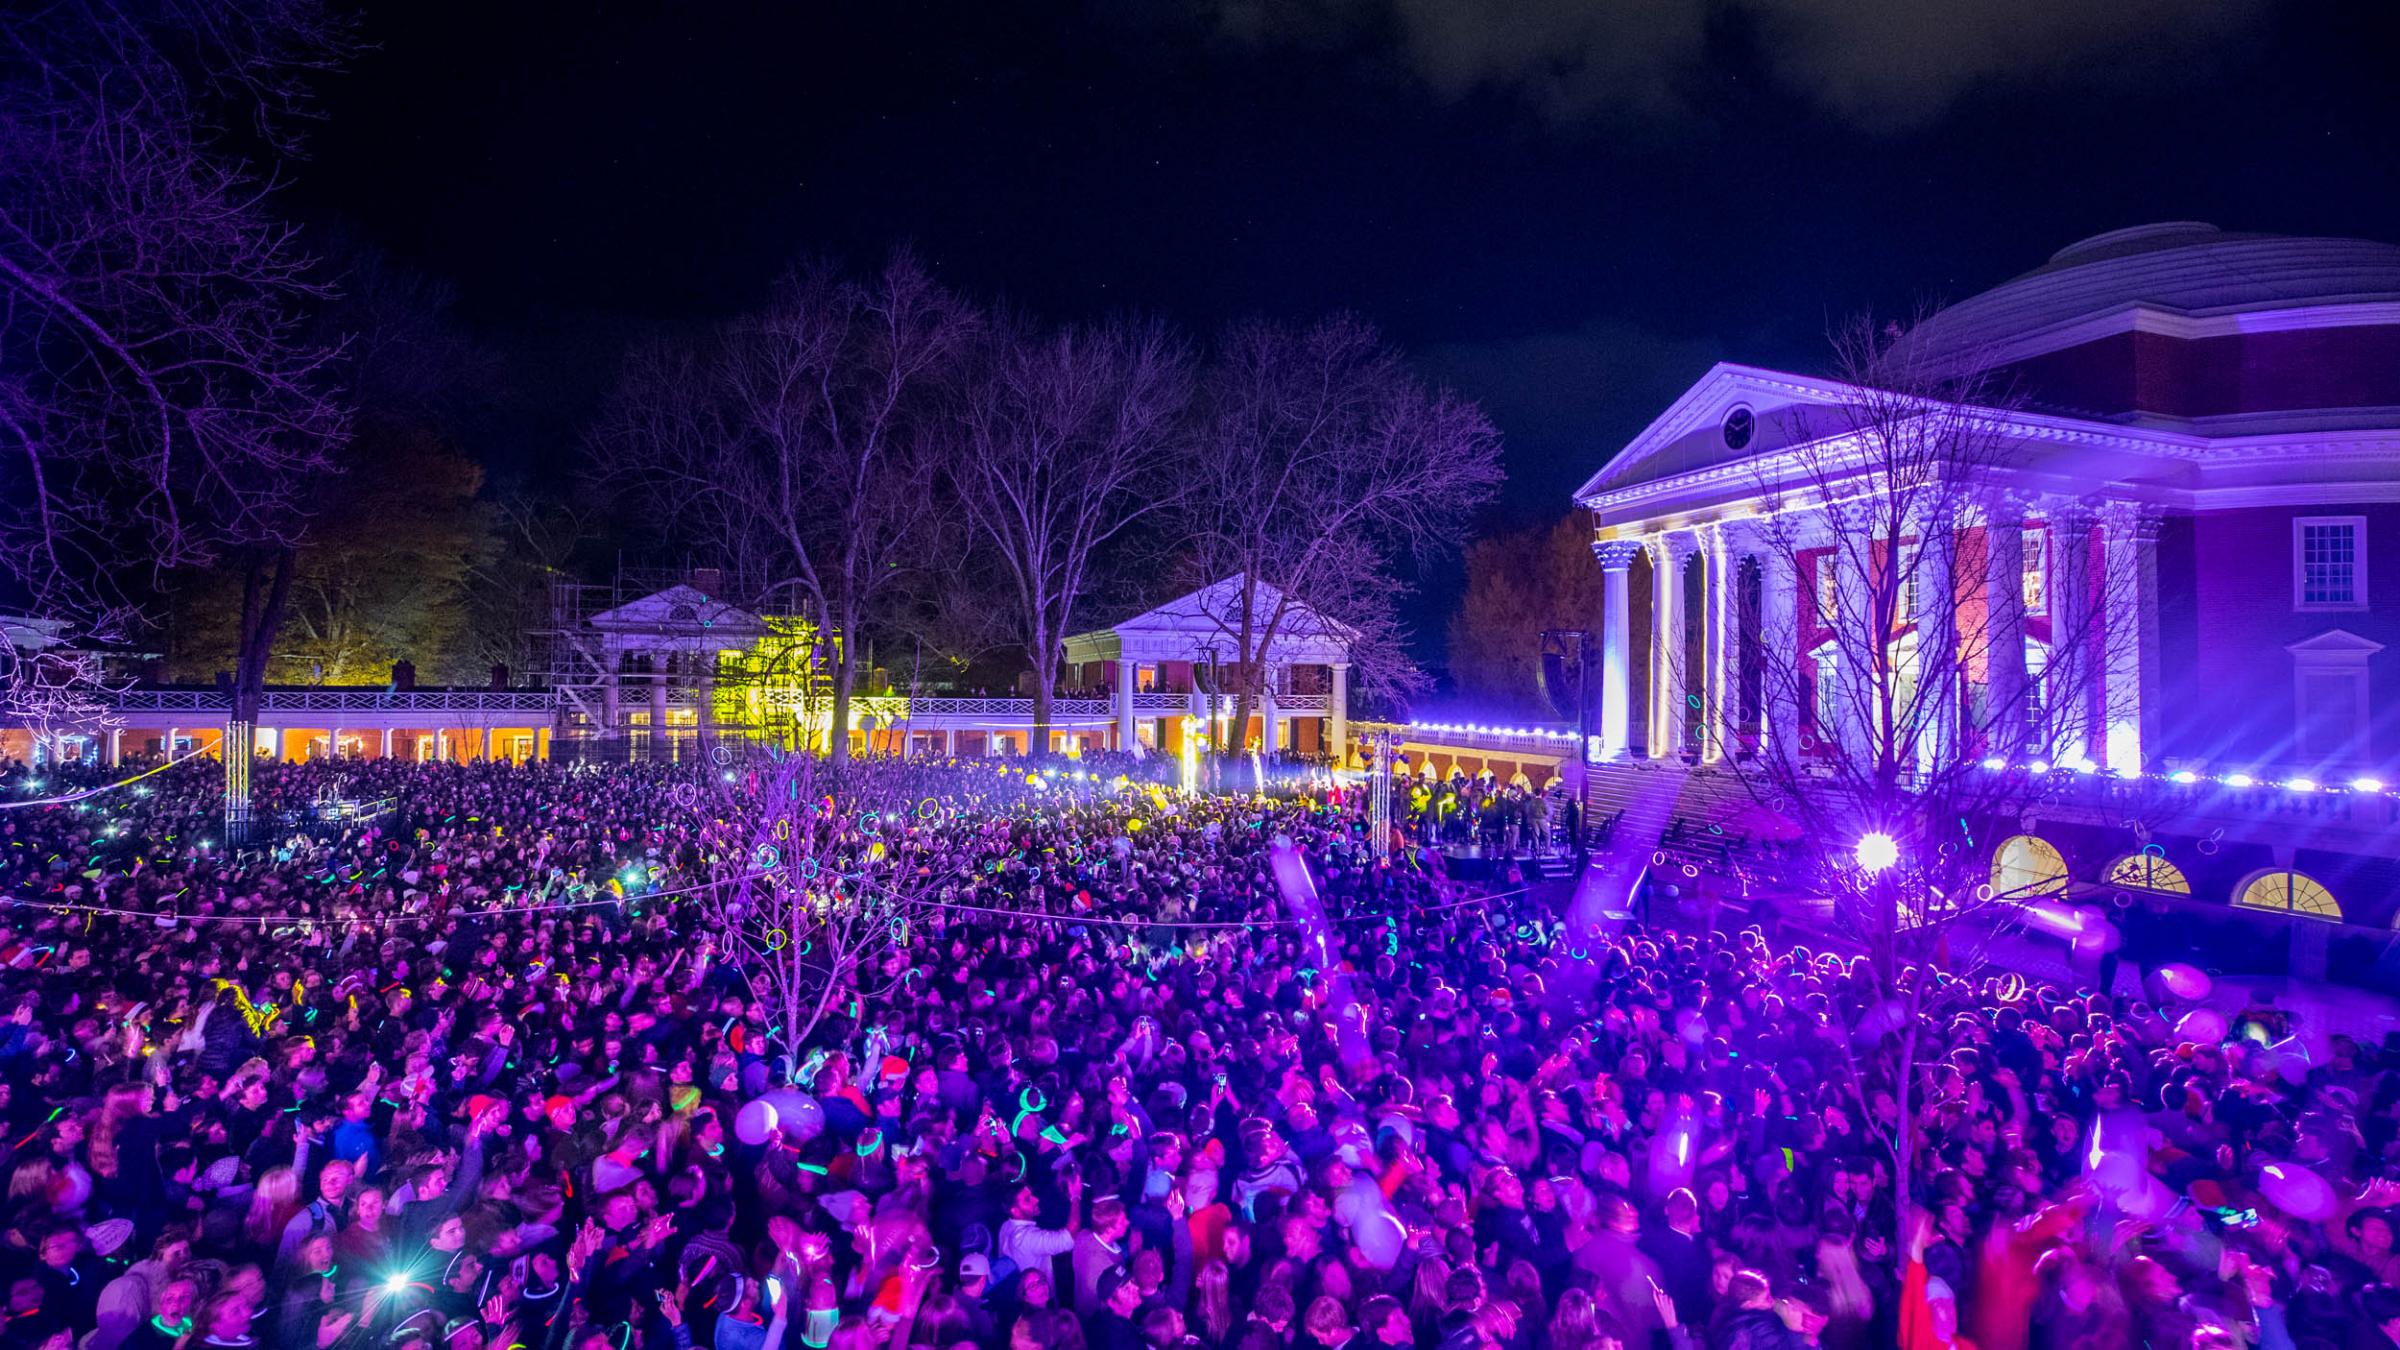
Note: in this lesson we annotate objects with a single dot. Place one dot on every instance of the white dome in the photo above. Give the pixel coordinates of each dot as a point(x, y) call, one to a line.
point(2184, 267)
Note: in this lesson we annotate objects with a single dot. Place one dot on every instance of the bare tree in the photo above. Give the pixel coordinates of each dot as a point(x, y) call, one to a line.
point(1071, 438)
point(816, 912)
point(798, 437)
point(1323, 463)
point(1891, 719)
point(163, 393)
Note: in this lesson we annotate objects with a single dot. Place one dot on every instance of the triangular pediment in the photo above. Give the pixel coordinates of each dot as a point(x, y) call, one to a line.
point(1210, 618)
point(2334, 642)
point(1695, 432)
point(681, 609)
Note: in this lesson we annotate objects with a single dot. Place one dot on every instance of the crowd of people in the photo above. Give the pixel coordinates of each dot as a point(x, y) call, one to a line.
point(492, 1065)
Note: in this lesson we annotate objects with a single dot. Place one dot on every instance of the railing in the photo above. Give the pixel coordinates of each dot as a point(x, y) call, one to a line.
point(1008, 708)
point(1518, 740)
point(342, 700)
point(1170, 704)
point(1302, 703)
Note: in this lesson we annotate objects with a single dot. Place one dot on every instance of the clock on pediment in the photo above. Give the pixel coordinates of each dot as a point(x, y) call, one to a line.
point(1740, 425)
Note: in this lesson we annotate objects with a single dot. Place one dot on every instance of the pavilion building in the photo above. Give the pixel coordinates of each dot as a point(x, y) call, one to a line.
point(673, 672)
point(2213, 417)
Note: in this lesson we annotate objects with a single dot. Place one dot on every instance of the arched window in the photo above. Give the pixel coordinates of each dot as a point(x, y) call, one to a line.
point(2149, 872)
point(2288, 892)
point(2025, 866)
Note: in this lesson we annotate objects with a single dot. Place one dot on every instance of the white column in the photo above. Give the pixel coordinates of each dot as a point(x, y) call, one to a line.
point(1935, 720)
point(1667, 555)
point(387, 743)
point(658, 703)
point(1616, 641)
point(1854, 643)
point(1782, 661)
point(2003, 639)
point(2075, 637)
point(116, 746)
point(168, 746)
point(1719, 629)
point(1128, 736)
point(2129, 642)
point(1269, 716)
point(1337, 712)
point(950, 743)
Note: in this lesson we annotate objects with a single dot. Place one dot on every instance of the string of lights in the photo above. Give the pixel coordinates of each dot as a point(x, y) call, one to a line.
point(69, 798)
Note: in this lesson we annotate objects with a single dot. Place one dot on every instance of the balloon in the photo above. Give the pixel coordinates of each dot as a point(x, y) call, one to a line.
point(2120, 1177)
point(2184, 982)
point(1380, 1237)
point(2148, 1200)
point(2296, 1191)
point(1691, 1026)
point(754, 1124)
point(797, 1114)
point(2201, 1026)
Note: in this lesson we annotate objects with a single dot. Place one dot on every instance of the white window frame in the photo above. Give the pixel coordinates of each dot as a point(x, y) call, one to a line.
point(2033, 583)
point(2358, 565)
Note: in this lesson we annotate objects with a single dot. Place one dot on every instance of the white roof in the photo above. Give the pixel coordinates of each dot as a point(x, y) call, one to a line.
point(681, 615)
point(1208, 621)
point(2182, 268)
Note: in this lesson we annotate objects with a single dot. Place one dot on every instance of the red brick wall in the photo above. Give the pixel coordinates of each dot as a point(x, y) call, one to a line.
point(2226, 616)
point(2207, 377)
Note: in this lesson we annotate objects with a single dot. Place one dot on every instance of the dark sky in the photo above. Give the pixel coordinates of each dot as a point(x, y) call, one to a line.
point(1568, 210)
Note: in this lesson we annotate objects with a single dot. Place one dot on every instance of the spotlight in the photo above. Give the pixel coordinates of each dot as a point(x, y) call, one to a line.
point(1876, 852)
point(2239, 780)
point(2366, 785)
point(1995, 765)
point(2183, 776)
point(2302, 785)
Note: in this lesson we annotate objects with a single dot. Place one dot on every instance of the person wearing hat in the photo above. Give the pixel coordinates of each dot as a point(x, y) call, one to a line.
point(1114, 1327)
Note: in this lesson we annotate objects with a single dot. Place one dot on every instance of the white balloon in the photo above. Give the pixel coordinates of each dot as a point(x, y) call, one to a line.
point(755, 1123)
point(2184, 982)
point(2296, 1191)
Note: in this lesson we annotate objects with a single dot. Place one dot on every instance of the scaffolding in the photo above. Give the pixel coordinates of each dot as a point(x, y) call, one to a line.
point(765, 684)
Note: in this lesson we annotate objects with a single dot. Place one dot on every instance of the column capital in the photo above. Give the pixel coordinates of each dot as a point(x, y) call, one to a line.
point(1616, 555)
point(2137, 521)
point(1671, 547)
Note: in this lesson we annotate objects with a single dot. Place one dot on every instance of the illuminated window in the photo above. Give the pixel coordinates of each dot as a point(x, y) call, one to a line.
point(2037, 571)
point(2149, 872)
point(1829, 602)
point(1825, 689)
point(2025, 866)
point(2329, 562)
point(2289, 893)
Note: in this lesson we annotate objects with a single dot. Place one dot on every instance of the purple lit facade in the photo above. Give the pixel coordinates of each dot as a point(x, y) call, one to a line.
point(2224, 410)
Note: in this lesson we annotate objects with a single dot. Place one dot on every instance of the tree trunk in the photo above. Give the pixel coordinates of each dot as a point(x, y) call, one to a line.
point(837, 736)
point(1904, 1138)
point(262, 619)
point(1039, 741)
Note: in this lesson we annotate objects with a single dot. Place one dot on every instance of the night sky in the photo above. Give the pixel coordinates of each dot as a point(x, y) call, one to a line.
point(1567, 212)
